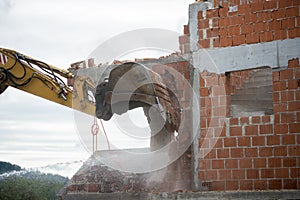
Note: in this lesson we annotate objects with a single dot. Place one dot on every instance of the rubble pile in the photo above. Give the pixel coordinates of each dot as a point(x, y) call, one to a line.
point(95, 177)
point(100, 178)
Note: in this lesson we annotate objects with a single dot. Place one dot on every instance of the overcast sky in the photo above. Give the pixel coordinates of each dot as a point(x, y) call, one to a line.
point(35, 132)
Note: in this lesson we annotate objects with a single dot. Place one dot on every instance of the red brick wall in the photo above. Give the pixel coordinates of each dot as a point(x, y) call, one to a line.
point(179, 173)
point(181, 72)
point(184, 40)
point(260, 21)
point(250, 153)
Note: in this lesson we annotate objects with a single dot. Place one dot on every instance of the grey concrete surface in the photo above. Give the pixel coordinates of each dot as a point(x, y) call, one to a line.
point(241, 195)
point(272, 54)
point(196, 128)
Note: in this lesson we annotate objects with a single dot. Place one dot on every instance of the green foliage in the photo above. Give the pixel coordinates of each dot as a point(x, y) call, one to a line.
point(31, 186)
point(7, 167)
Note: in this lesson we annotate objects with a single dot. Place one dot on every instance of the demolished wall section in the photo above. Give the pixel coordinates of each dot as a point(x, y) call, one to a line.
point(95, 177)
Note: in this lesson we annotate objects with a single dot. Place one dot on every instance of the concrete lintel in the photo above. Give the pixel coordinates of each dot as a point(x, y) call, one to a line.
point(274, 54)
point(166, 60)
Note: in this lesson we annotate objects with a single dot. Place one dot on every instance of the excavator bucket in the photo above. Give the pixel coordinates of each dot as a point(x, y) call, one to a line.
point(132, 85)
point(2, 88)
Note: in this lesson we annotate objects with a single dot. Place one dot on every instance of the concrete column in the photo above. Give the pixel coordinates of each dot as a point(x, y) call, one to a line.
point(195, 82)
point(194, 37)
point(193, 21)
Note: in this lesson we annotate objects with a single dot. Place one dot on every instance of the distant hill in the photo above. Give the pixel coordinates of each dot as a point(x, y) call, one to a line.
point(8, 167)
point(33, 185)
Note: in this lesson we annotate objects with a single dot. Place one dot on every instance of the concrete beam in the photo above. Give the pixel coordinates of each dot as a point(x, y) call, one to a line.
point(274, 54)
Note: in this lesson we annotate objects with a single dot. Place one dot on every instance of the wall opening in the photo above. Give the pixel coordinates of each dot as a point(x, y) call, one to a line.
point(251, 92)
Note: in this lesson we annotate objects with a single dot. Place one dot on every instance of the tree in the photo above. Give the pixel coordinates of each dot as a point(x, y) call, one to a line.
point(31, 186)
point(8, 167)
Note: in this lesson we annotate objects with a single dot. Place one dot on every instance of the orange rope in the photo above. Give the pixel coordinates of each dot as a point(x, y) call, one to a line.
point(108, 145)
point(94, 130)
point(117, 161)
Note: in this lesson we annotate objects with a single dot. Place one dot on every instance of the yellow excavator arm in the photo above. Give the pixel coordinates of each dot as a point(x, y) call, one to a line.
point(43, 80)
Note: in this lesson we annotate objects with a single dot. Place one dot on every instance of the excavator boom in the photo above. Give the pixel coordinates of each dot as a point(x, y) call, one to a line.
point(41, 79)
